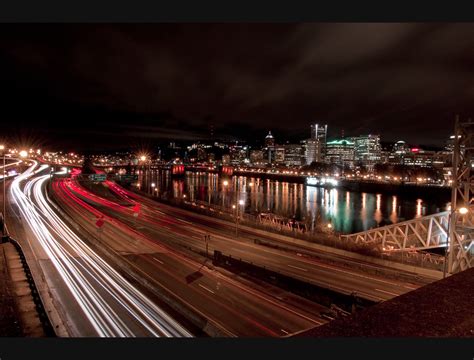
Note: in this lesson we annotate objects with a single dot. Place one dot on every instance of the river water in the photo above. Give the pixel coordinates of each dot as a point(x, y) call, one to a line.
point(347, 211)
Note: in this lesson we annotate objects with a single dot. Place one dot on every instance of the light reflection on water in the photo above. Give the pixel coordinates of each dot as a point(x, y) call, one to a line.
point(347, 211)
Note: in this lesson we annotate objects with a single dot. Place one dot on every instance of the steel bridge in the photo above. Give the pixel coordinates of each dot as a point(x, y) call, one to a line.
point(452, 230)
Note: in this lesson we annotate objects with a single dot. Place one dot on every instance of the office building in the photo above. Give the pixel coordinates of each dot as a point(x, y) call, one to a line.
point(340, 152)
point(256, 157)
point(399, 150)
point(367, 150)
point(293, 155)
point(313, 151)
point(269, 140)
point(279, 154)
point(419, 157)
point(319, 134)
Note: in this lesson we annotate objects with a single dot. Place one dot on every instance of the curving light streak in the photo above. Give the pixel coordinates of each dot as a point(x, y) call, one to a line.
point(91, 281)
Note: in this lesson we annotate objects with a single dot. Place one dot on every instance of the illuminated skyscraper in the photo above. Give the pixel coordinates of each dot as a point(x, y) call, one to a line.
point(316, 145)
point(270, 147)
point(367, 150)
point(319, 132)
point(340, 152)
point(293, 154)
point(269, 139)
point(313, 151)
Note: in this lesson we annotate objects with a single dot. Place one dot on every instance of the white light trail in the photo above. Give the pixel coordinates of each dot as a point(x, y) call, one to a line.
point(100, 291)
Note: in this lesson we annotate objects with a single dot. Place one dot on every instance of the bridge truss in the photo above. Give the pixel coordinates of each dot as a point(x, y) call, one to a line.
point(452, 229)
point(461, 249)
point(424, 233)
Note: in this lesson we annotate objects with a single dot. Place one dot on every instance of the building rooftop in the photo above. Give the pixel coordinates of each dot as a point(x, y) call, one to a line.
point(340, 142)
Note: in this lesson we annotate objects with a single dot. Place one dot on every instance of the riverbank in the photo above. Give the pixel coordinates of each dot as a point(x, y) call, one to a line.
point(405, 190)
point(402, 189)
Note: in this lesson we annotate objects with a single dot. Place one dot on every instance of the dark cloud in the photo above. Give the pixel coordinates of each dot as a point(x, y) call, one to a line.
point(170, 81)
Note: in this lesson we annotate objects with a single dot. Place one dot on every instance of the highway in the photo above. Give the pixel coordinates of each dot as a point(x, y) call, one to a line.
point(180, 228)
point(231, 306)
point(97, 299)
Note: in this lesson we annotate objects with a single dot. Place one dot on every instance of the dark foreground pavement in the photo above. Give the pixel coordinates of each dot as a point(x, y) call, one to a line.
point(441, 309)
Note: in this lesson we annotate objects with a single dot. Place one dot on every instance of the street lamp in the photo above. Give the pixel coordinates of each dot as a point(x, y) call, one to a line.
point(241, 203)
point(146, 169)
point(23, 153)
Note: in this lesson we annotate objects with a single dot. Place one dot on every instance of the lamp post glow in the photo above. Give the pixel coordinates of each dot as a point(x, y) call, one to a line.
point(241, 203)
point(463, 210)
point(23, 153)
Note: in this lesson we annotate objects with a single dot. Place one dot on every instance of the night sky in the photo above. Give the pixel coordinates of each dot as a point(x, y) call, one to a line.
point(105, 86)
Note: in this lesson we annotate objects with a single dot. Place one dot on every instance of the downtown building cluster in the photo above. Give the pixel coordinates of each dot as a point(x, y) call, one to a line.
point(363, 151)
point(348, 153)
point(361, 155)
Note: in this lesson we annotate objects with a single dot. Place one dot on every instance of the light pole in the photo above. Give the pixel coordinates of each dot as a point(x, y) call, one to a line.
point(225, 183)
point(235, 213)
point(241, 203)
point(143, 158)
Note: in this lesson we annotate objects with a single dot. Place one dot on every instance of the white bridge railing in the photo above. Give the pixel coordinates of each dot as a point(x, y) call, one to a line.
point(423, 233)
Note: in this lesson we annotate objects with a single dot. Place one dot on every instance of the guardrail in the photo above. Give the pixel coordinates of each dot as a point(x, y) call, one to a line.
point(39, 306)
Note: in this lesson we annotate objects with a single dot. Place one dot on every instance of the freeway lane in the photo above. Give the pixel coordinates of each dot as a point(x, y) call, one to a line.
point(183, 228)
point(232, 307)
point(89, 287)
